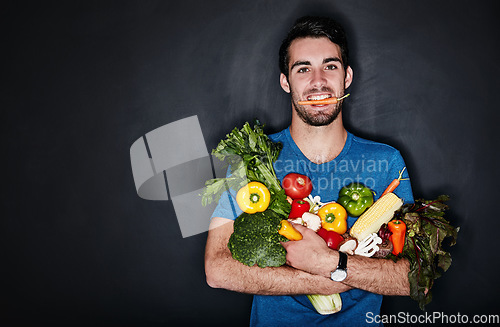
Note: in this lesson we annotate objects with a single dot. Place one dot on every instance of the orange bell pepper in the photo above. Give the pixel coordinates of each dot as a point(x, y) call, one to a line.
point(398, 229)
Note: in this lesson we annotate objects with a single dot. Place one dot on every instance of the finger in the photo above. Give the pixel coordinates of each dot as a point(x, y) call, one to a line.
point(286, 244)
point(299, 227)
point(304, 230)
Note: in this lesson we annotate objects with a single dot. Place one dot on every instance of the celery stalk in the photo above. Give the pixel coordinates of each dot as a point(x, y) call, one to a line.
point(326, 304)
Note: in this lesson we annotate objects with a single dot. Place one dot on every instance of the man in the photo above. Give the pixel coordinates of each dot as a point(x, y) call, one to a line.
point(314, 65)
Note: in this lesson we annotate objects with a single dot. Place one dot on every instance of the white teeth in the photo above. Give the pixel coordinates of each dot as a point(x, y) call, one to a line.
point(318, 97)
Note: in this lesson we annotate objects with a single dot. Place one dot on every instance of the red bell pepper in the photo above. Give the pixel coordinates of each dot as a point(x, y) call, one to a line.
point(298, 208)
point(332, 239)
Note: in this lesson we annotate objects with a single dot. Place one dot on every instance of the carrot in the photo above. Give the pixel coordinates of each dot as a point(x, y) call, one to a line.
point(394, 183)
point(323, 101)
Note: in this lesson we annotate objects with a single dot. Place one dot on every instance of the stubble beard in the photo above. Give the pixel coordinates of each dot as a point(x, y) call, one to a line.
point(319, 117)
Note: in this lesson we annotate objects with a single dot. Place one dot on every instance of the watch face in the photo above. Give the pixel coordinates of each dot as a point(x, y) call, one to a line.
point(338, 275)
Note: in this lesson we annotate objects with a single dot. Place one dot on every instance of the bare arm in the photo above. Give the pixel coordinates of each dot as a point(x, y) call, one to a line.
point(379, 276)
point(223, 271)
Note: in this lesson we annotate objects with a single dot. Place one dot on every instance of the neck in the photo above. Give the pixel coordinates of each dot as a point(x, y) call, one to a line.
point(319, 143)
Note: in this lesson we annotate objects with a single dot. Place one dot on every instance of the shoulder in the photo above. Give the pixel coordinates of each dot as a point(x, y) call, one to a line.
point(278, 137)
point(373, 147)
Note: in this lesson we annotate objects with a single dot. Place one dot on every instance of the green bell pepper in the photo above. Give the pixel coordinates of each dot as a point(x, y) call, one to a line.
point(355, 198)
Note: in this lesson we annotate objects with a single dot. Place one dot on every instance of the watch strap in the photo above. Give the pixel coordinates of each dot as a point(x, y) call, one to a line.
point(342, 261)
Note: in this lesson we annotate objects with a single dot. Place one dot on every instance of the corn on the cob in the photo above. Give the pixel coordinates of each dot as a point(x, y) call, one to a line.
point(378, 214)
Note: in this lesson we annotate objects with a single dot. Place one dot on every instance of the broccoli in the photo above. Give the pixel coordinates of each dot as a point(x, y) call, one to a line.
point(255, 240)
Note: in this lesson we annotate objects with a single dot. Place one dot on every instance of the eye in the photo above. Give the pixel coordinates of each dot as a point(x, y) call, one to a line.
point(331, 67)
point(303, 70)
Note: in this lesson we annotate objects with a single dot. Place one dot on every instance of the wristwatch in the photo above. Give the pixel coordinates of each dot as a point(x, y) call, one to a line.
point(340, 273)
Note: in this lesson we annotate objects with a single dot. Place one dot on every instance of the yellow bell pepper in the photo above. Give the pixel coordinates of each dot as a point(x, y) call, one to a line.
point(288, 231)
point(253, 197)
point(333, 217)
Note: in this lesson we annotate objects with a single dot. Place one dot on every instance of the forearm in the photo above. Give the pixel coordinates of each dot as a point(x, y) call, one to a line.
point(225, 272)
point(230, 274)
point(381, 276)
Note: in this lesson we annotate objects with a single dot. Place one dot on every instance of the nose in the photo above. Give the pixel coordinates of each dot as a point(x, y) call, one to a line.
point(318, 78)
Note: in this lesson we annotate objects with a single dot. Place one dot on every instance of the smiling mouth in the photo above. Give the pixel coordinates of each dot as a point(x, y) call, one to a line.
point(318, 97)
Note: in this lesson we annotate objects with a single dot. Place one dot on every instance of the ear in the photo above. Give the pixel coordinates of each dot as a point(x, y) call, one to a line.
point(284, 83)
point(348, 76)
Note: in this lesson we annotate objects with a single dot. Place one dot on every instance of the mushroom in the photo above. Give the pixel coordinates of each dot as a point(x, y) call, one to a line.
point(384, 249)
point(311, 221)
point(348, 245)
point(308, 220)
point(298, 221)
point(368, 246)
point(315, 203)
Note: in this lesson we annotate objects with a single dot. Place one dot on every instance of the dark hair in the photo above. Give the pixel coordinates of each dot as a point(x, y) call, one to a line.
point(312, 26)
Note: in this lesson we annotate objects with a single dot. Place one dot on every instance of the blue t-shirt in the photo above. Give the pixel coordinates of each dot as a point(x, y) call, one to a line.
point(374, 164)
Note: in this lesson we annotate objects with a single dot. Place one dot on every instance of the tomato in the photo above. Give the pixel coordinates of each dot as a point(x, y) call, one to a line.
point(297, 186)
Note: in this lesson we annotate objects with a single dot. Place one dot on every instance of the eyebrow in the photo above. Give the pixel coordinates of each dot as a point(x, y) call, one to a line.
point(335, 59)
point(300, 63)
point(308, 63)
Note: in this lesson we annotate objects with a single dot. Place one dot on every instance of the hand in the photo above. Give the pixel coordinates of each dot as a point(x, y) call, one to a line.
point(311, 254)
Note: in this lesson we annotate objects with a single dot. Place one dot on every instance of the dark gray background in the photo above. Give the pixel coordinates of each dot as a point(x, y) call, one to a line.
point(84, 79)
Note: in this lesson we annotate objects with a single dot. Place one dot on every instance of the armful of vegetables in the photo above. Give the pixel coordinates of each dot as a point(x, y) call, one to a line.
point(263, 224)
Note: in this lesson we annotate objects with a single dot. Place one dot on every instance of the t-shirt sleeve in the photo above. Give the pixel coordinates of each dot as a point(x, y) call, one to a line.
point(227, 206)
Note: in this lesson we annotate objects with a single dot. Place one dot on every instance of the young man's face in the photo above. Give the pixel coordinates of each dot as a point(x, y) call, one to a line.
point(315, 72)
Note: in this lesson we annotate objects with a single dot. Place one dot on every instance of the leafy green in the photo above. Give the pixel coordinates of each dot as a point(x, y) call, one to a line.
point(426, 229)
point(250, 154)
point(256, 240)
